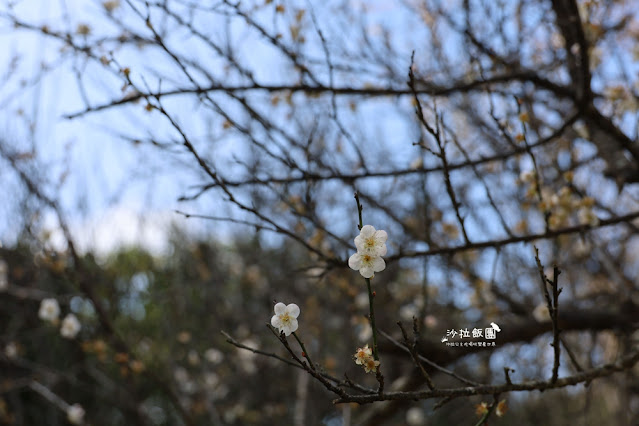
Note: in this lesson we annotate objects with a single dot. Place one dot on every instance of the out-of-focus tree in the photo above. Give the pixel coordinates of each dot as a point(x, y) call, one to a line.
point(494, 142)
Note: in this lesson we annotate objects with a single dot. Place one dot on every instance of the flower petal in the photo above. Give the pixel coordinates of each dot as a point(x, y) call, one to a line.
point(280, 308)
point(293, 310)
point(367, 231)
point(366, 271)
point(378, 264)
point(275, 321)
point(292, 325)
point(355, 261)
point(381, 237)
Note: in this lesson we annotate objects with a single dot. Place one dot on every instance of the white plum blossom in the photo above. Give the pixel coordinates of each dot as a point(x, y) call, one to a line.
point(367, 264)
point(371, 246)
point(371, 365)
point(49, 310)
point(371, 241)
point(362, 355)
point(70, 327)
point(75, 414)
point(285, 318)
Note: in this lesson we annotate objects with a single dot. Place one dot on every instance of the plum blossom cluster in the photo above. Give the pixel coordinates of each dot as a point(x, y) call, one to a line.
point(50, 311)
point(561, 205)
point(371, 246)
point(285, 318)
point(364, 357)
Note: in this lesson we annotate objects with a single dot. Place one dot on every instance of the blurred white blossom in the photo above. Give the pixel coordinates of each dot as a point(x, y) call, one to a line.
point(180, 375)
point(415, 417)
point(214, 356)
point(49, 310)
point(70, 327)
point(11, 350)
point(361, 300)
point(430, 321)
point(365, 332)
point(587, 217)
point(541, 313)
point(407, 312)
point(247, 358)
point(75, 414)
point(211, 380)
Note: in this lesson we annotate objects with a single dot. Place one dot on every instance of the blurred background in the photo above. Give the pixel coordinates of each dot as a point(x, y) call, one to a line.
point(170, 169)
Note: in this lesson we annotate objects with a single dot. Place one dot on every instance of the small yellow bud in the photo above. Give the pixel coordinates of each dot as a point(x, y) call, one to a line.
point(184, 337)
point(554, 221)
point(544, 206)
point(83, 29)
point(451, 230)
point(110, 6)
point(136, 366)
point(121, 357)
point(521, 227)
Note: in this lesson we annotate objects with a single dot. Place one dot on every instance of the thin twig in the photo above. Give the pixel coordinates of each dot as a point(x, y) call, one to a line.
point(429, 362)
point(413, 353)
point(553, 309)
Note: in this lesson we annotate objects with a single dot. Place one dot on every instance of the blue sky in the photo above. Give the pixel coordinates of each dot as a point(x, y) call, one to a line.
point(98, 174)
